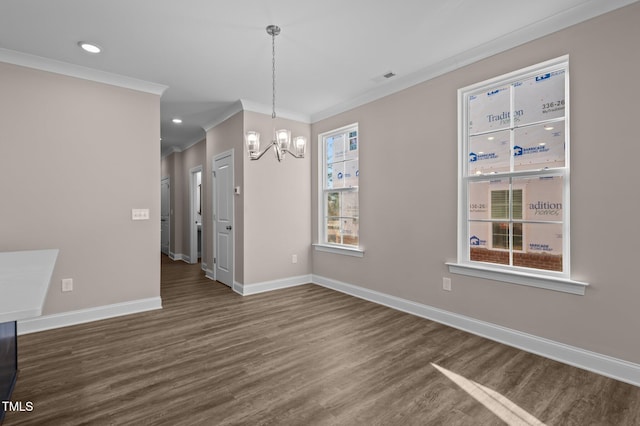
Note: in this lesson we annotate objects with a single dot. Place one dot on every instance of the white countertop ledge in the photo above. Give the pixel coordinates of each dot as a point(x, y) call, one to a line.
point(24, 282)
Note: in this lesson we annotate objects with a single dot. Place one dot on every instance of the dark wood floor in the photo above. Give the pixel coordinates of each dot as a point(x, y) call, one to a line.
point(300, 356)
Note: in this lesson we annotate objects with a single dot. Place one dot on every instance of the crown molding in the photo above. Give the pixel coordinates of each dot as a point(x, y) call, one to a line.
point(78, 71)
point(560, 21)
point(170, 151)
point(233, 109)
point(248, 105)
point(193, 142)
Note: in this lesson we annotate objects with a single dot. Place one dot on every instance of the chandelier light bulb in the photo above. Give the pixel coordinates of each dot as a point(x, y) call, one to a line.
point(299, 145)
point(283, 137)
point(253, 142)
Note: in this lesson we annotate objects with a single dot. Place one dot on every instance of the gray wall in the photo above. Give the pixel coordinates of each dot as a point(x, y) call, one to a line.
point(272, 210)
point(277, 207)
point(76, 157)
point(408, 193)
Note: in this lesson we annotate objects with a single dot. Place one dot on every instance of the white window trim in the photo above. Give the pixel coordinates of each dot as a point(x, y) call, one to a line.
point(337, 249)
point(558, 281)
point(320, 245)
point(521, 278)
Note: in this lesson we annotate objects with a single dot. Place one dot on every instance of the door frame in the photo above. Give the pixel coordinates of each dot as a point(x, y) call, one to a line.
point(229, 153)
point(166, 179)
point(193, 229)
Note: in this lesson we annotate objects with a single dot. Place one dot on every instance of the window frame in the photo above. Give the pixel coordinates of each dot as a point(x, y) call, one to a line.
point(554, 280)
point(323, 244)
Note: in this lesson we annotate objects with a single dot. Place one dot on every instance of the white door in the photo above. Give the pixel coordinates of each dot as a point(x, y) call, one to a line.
point(165, 210)
point(223, 217)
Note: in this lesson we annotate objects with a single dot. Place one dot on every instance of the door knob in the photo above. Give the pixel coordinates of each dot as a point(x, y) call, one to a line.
point(229, 228)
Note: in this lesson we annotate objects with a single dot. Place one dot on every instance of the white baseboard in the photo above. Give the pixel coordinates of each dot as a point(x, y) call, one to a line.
point(248, 289)
point(614, 368)
point(48, 322)
point(180, 256)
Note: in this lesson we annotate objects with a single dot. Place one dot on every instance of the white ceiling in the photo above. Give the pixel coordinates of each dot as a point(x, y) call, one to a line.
point(330, 55)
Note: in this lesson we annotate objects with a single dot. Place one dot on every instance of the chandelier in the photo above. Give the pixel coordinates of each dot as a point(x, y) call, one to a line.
point(281, 141)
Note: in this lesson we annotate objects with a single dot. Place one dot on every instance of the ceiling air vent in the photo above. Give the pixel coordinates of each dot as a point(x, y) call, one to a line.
point(384, 77)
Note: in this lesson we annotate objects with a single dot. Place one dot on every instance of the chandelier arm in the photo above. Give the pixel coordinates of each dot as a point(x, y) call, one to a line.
point(279, 153)
point(264, 151)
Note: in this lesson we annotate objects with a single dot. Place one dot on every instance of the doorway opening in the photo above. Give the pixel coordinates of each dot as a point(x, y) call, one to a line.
point(195, 190)
point(165, 216)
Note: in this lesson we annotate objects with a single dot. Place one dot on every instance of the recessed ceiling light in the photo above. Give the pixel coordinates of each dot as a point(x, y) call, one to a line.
point(548, 128)
point(491, 138)
point(89, 47)
point(177, 120)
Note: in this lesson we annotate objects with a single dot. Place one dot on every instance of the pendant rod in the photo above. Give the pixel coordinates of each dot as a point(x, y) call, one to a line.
point(273, 31)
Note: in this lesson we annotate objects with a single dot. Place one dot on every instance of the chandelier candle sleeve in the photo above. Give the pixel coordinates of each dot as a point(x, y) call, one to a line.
point(299, 146)
point(253, 143)
point(283, 138)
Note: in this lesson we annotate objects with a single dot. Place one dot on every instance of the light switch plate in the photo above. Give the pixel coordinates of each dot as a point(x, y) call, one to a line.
point(139, 214)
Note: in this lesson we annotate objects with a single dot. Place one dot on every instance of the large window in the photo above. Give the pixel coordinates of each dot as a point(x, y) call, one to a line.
point(514, 172)
point(339, 182)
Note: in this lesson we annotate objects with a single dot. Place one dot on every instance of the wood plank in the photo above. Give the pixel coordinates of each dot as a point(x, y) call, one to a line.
point(303, 355)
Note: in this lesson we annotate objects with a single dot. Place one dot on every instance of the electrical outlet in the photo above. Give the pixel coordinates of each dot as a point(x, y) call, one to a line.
point(294, 258)
point(67, 284)
point(446, 283)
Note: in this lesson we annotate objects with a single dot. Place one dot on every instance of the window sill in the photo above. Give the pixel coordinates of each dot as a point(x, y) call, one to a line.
point(349, 251)
point(521, 278)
